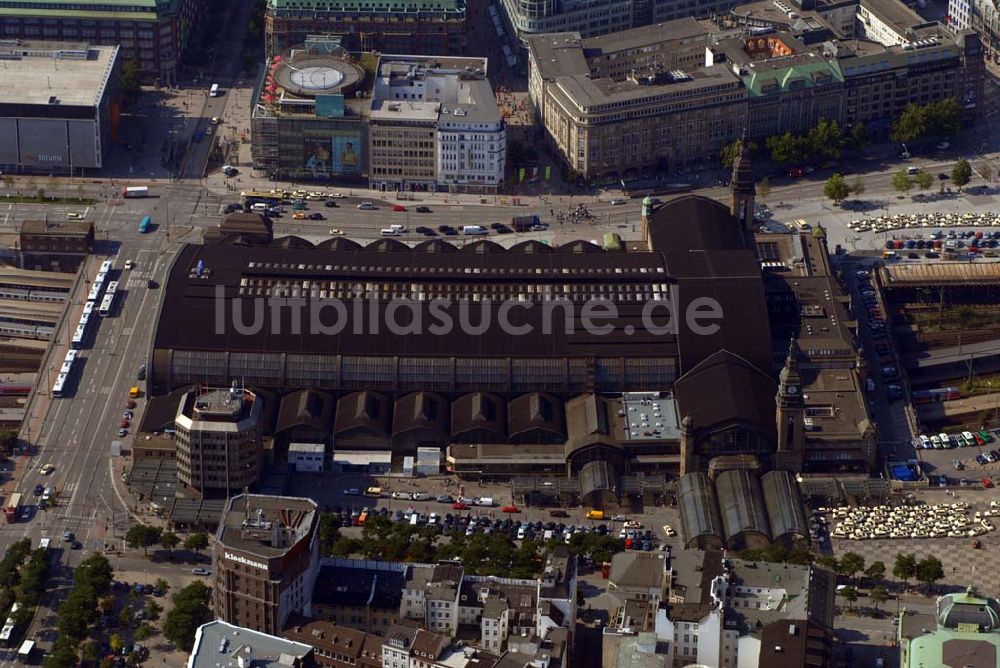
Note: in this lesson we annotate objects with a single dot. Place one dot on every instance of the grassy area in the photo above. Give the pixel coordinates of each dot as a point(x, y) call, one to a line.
point(35, 199)
point(981, 385)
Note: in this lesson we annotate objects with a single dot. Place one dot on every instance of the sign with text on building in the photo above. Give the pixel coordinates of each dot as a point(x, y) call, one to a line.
point(246, 562)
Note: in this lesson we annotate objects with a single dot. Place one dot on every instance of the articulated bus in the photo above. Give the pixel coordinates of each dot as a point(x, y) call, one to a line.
point(88, 308)
point(105, 267)
point(95, 292)
point(271, 199)
point(144, 224)
point(60, 386)
point(78, 337)
point(108, 304)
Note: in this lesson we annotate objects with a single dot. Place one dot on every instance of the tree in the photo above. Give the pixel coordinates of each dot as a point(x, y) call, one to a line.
point(905, 567)
point(911, 124)
point(144, 632)
point(851, 564)
point(116, 643)
point(836, 188)
point(829, 562)
point(153, 610)
point(875, 571)
point(169, 540)
point(986, 171)
point(196, 542)
point(826, 138)
point(189, 612)
point(731, 150)
point(90, 651)
point(129, 78)
point(140, 535)
point(161, 587)
point(787, 148)
point(94, 574)
point(901, 181)
point(929, 571)
point(878, 595)
point(764, 187)
point(924, 180)
point(858, 187)
point(63, 655)
point(8, 441)
point(961, 173)
point(850, 594)
point(859, 135)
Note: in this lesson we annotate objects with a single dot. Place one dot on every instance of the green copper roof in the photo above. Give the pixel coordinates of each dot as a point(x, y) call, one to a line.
point(370, 6)
point(124, 10)
point(977, 649)
point(808, 75)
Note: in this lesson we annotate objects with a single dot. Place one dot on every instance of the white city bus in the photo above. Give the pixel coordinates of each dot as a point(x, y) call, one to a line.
point(214, 91)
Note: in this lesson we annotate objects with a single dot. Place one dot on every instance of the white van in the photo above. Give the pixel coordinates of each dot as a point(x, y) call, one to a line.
point(259, 207)
point(912, 170)
point(485, 501)
point(398, 228)
point(389, 232)
point(474, 229)
point(925, 442)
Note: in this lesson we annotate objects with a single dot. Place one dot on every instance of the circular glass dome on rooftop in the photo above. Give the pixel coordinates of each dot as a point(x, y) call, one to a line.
point(316, 78)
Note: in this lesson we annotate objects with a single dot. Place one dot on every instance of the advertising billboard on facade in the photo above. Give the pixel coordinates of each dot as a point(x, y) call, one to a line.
point(336, 154)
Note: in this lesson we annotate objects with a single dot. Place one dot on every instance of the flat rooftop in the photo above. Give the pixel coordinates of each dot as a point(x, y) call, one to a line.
point(55, 73)
point(221, 645)
point(29, 278)
point(58, 228)
point(649, 416)
point(269, 527)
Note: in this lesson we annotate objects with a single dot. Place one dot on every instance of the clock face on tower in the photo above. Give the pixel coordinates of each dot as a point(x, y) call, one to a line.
point(791, 389)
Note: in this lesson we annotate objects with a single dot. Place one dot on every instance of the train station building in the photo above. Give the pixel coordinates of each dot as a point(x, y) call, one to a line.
point(589, 409)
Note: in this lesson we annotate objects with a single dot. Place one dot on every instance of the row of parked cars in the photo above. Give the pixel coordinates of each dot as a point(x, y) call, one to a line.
point(944, 441)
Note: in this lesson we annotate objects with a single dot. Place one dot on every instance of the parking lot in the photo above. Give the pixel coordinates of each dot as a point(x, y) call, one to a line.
point(344, 493)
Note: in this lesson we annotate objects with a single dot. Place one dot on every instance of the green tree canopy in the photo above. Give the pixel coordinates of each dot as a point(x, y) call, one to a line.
point(787, 148)
point(140, 535)
point(836, 188)
point(961, 173)
point(878, 595)
point(826, 138)
point(929, 571)
point(129, 78)
point(731, 150)
point(876, 570)
point(189, 612)
point(905, 567)
point(196, 542)
point(851, 564)
point(169, 540)
point(901, 181)
point(924, 180)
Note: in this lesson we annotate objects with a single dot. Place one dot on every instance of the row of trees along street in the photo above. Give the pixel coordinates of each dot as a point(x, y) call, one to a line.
point(827, 140)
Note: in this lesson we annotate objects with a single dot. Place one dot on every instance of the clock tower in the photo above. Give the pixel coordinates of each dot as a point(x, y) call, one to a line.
point(790, 413)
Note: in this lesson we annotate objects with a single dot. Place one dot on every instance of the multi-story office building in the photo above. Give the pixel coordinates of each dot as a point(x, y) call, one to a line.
point(435, 125)
point(219, 445)
point(265, 557)
point(634, 100)
point(985, 20)
point(58, 105)
point(403, 26)
point(153, 34)
point(307, 120)
point(588, 17)
point(670, 96)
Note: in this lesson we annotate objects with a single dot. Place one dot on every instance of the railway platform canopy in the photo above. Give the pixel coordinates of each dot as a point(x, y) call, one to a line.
point(937, 274)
